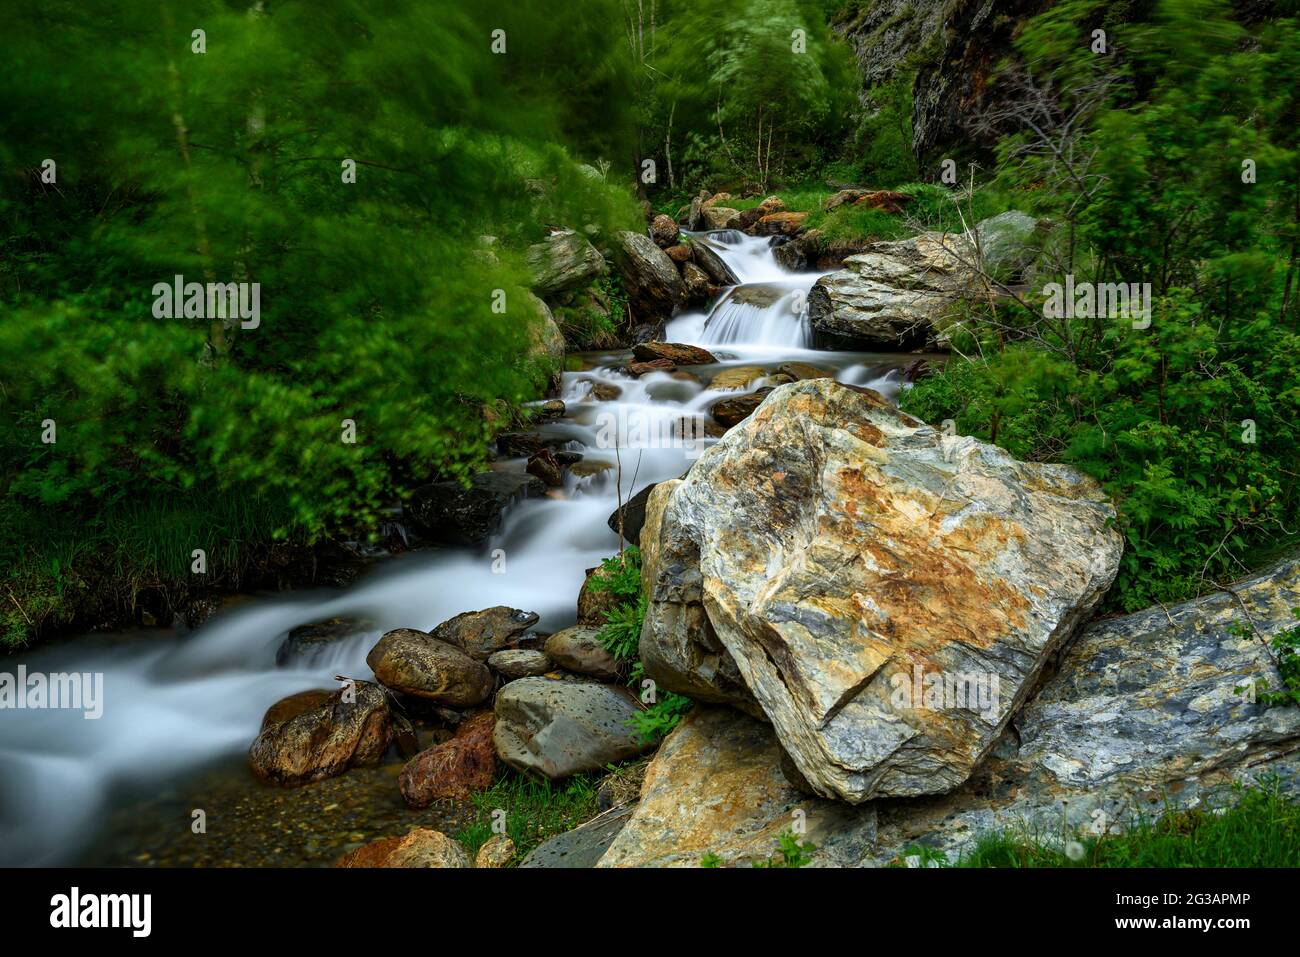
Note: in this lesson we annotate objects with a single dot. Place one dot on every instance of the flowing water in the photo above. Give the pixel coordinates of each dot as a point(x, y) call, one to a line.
point(175, 705)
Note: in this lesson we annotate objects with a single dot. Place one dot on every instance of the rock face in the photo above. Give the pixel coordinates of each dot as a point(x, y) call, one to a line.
point(416, 663)
point(561, 728)
point(715, 787)
point(420, 848)
point(316, 735)
point(564, 261)
point(888, 594)
point(450, 513)
point(651, 281)
point(455, 769)
point(1142, 713)
point(482, 633)
point(579, 650)
point(904, 293)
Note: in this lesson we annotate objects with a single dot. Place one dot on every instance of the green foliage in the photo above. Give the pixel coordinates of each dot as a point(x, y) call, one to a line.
point(1190, 423)
point(667, 711)
point(227, 167)
point(790, 852)
point(1262, 830)
point(536, 809)
point(1285, 647)
point(620, 575)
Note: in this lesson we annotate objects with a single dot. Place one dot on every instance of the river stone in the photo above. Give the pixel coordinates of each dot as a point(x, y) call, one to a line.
point(731, 412)
point(1143, 714)
point(520, 663)
point(594, 604)
point(653, 286)
point(422, 847)
point(632, 514)
point(497, 851)
point(715, 787)
point(737, 377)
point(564, 260)
point(678, 353)
point(454, 770)
point(846, 549)
point(584, 845)
point(482, 633)
point(903, 293)
point(313, 735)
point(418, 664)
point(562, 728)
point(699, 288)
point(707, 258)
point(579, 650)
point(450, 513)
point(780, 224)
point(717, 217)
point(664, 230)
point(310, 641)
point(803, 370)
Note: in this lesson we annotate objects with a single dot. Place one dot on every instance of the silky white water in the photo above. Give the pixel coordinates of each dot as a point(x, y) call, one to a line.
point(173, 703)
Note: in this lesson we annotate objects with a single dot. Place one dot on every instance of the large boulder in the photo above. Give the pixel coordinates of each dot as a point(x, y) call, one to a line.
point(561, 728)
point(546, 340)
point(482, 633)
point(1146, 712)
point(315, 735)
point(715, 787)
point(415, 663)
point(717, 217)
point(889, 594)
point(906, 293)
point(564, 260)
point(455, 769)
point(449, 512)
point(653, 285)
point(422, 847)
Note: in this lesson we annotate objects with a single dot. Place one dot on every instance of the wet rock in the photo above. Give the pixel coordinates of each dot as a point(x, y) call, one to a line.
point(562, 728)
point(523, 445)
point(567, 458)
point(707, 258)
point(737, 377)
point(565, 260)
point(590, 466)
point(482, 633)
point(715, 787)
point(650, 279)
point(450, 513)
point(698, 286)
point(803, 370)
point(852, 560)
point(731, 412)
point(497, 851)
point(664, 231)
point(455, 769)
point(678, 353)
point(546, 467)
point(653, 365)
point(553, 408)
point(646, 332)
point(632, 514)
point(902, 294)
point(308, 642)
point(604, 391)
point(316, 734)
point(422, 847)
point(583, 846)
point(520, 663)
point(579, 650)
point(681, 253)
point(418, 664)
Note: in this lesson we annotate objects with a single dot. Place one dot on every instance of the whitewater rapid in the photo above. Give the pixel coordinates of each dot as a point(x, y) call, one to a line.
point(176, 702)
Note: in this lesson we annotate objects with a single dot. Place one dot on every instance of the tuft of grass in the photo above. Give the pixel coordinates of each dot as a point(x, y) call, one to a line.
point(535, 809)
